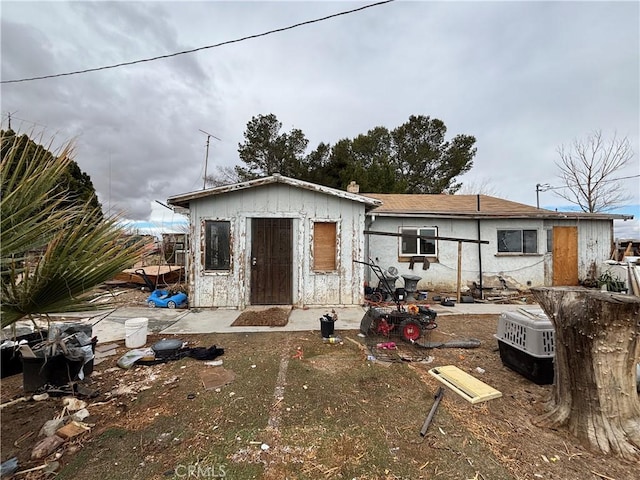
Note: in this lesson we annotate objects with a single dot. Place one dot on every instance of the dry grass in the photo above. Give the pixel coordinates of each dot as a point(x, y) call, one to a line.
point(328, 414)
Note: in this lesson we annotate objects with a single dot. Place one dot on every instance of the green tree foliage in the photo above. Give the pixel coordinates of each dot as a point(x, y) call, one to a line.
point(54, 248)
point(372, 162)
point(266, 151)
point(412, 158)
point(76, 183)
point(425, 161)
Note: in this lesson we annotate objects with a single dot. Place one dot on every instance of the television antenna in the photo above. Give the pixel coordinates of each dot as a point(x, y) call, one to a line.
point(206, 158)
point(9, 117)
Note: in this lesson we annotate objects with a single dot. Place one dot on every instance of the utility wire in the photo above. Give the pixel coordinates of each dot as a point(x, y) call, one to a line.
point(184, 52)
point(573, 185)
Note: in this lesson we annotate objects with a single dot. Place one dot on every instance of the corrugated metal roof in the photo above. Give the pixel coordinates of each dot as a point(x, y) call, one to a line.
point(467, 206)
point(184, 199)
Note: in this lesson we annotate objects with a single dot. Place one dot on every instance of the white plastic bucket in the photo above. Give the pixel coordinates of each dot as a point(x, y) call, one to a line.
point(135, 332)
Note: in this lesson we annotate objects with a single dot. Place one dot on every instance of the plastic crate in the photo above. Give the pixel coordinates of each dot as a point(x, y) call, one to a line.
point(537, 369)
point(529, 330)
point(526, 342)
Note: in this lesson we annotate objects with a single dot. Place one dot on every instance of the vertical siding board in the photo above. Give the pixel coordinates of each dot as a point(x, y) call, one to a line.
point(333, 288)
point(594, 244)
point(358, 253)
point(194, 300)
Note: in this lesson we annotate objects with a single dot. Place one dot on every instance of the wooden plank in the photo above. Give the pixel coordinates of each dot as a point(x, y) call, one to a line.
point(634, 278)
point(459, 279)
point(158, 274)
point(565, 256)
point(428, 237)
point(465, 385)
point(154, 270)
point(216, 378)
point(72, 430)
point(324, 246)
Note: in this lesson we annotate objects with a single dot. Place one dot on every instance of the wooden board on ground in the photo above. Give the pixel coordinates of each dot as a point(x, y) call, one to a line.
point(158, 274)
point(465, 385)
point(106, 347)
point(216, 378)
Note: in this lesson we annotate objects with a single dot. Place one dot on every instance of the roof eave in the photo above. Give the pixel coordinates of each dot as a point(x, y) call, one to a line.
point(479, 215)
point(184, 199)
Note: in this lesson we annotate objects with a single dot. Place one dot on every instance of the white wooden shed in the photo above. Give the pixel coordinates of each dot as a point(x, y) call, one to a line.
point(275, 241)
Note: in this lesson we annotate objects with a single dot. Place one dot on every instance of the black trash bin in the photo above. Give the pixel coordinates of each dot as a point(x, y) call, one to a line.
point(10, 362)
point(326, 325)
point(56, 370)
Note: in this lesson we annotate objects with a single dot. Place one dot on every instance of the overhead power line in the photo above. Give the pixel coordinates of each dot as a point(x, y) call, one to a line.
point(184, 52)
point(572, 185)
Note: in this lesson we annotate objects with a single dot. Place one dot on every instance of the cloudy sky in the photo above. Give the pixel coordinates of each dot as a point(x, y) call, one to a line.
point(523, 77)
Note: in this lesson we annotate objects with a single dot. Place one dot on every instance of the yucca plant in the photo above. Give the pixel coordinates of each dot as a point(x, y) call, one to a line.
point(52, 251)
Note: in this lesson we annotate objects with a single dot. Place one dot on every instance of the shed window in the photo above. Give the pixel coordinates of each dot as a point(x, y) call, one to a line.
point(517, 241)
point(324, 246)
point(410, 244)
point(217, 248)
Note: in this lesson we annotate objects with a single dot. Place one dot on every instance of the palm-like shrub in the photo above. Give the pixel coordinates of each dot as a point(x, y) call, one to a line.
point(52, 251)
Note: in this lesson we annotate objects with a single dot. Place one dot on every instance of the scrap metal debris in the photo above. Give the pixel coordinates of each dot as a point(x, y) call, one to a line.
point(438, 397)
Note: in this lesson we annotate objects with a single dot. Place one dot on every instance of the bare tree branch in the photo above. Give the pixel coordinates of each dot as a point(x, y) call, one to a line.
point(479, 187)
point(223, 176)
point(586, 168)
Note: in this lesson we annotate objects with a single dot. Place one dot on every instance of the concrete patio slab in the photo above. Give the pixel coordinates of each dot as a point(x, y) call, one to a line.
point(109, 326)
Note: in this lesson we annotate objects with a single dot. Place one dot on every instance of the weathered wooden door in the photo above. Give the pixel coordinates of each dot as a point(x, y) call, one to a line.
point(271, 261)
point(565, 256)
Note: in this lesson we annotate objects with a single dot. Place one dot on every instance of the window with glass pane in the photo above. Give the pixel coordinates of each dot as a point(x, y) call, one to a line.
point(517, 241)
point(530, 241)
point(428, 245)
point(216, 250)
point(410, 244)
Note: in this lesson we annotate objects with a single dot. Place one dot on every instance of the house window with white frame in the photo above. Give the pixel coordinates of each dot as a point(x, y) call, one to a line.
point(414, 243)
point(217, 235)
point(517, 241)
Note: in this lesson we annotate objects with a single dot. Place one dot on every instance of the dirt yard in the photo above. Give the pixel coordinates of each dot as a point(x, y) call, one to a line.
point(298, 408)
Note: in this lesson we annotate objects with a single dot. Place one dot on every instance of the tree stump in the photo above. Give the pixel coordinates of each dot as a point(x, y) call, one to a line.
point(597, 346)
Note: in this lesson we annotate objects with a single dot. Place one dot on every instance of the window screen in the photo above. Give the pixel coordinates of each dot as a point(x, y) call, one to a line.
point(216, 250)
point(324, 246)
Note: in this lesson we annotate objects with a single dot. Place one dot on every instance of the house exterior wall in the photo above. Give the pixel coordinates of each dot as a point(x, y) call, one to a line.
point(517, 270)
point(231, 289)
point(595, 243)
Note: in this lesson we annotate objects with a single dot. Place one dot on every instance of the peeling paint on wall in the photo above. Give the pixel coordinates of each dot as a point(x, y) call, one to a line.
point(233, 289)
